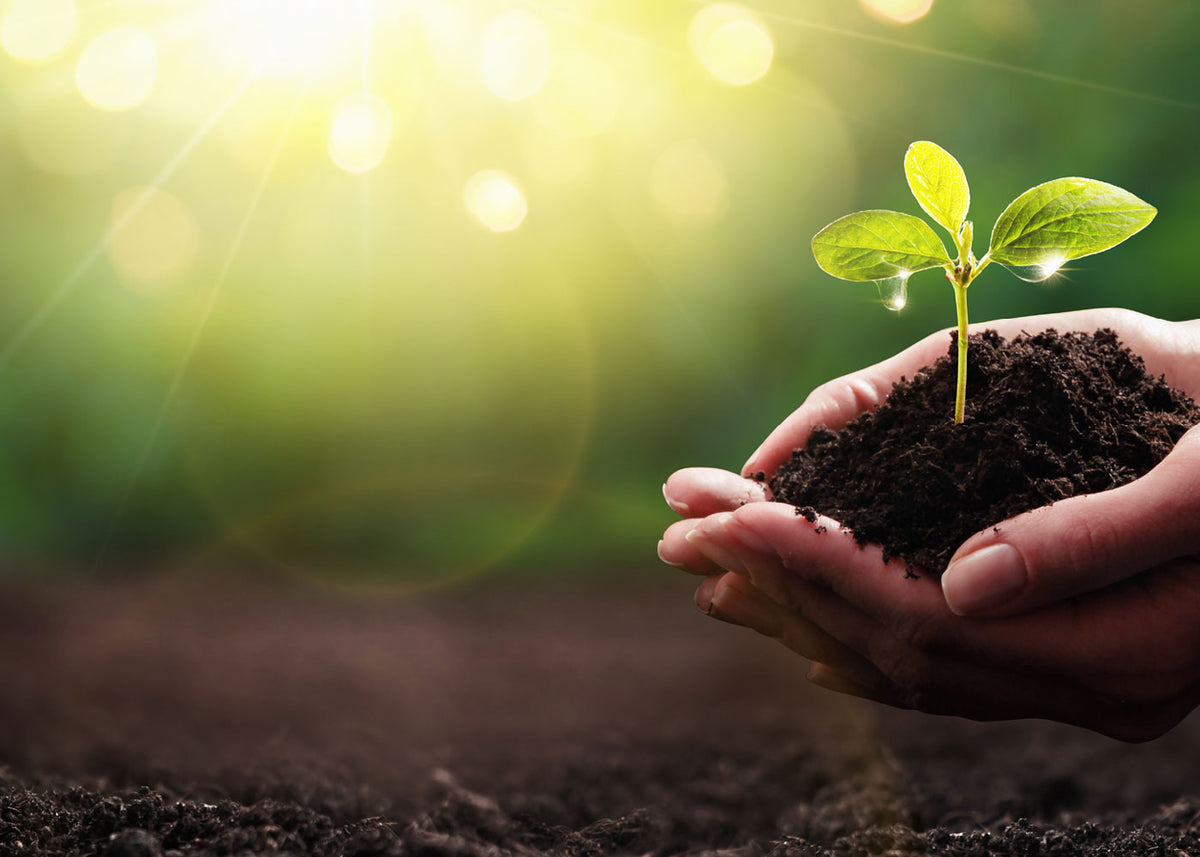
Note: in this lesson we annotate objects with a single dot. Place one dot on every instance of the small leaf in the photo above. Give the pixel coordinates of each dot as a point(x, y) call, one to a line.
point(1066, 219)
point(878, 245)
point(938, 183)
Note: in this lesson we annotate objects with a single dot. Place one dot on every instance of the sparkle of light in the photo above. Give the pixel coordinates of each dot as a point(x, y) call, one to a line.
point(733, 45)
point(36, 30)
point(581, 96)
point(360, 133)
point(1050, 267)
point(516, 55)
point(689, 185)
point(900, 11)
point(155, 238)
point(117, 70)
point(495, 200)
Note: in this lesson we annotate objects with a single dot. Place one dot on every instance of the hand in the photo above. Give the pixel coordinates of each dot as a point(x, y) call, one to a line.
point(1086, 612)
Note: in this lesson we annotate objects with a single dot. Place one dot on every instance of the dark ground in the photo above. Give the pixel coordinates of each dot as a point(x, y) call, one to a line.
point(185, 716)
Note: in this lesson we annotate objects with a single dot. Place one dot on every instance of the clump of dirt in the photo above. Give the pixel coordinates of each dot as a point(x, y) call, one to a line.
point(1048, 416)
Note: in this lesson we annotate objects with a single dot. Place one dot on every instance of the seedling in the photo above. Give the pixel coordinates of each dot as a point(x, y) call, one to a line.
point(1041, 230)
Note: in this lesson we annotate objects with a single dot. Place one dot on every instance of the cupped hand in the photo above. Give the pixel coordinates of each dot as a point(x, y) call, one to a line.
point(1084, 612)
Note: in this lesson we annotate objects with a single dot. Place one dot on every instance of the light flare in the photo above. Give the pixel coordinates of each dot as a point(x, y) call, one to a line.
point(496, 200)
point(158, 242)
point(360, 133)
point(734, 46)
point(118, 69)
point(689, 185)
point(36, 30)
point(900, 11)
point(516, 55)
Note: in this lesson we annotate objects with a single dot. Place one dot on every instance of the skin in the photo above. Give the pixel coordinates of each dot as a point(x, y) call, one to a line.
point(1102, 629)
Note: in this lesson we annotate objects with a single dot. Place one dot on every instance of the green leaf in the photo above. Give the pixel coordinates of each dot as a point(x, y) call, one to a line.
point(1066, 219)
point(877, 245)
point(938, 183)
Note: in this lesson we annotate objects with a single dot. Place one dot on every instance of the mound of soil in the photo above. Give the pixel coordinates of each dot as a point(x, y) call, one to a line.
point(1048, 416)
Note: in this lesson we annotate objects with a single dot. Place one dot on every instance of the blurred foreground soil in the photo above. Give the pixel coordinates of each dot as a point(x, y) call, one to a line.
point(172, 716)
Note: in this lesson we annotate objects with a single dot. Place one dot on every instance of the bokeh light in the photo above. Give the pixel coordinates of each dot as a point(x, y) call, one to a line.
point(360, 133)
point(62, 135)
point(118, 69)
point(581, 96)
point(689, 185)
point(733, 45)
point(36, 30)
point(900, 11)
point(495, 200)
point(516, 55)
point(154, 238)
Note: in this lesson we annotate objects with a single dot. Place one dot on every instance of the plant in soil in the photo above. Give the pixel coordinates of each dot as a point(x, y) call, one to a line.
point(1042, 229)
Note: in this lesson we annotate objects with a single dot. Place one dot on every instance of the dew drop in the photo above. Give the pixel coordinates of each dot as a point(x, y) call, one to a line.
point(894, 291)
point(1038, 273)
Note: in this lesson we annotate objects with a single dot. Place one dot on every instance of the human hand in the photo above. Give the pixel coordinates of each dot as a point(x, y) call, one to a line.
point(1122, 658)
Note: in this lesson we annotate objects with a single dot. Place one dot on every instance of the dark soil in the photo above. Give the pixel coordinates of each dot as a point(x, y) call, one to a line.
point(1048, 416)
point(208, 717)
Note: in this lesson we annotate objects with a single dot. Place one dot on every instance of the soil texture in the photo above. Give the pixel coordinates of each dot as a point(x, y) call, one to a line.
point(207, 717)
point(1048, 416)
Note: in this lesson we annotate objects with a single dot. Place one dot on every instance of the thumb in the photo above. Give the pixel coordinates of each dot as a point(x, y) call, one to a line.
point(1083, 543)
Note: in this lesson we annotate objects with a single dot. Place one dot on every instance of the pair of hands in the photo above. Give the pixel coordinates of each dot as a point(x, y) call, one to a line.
point(1085, 612)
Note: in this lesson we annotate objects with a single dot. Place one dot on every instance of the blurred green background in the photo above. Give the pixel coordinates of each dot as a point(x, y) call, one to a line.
point(401, 291)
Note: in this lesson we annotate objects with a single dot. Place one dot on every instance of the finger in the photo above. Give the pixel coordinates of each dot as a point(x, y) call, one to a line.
point(704, 593)
point(839, 681)
point(699, 491)
point(738, 600)
point(674, 549)
point(836, 402)
point(1080, 544)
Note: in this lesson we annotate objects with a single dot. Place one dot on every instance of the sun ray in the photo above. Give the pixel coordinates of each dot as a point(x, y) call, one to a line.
point(969, 59)
point(193, 344)
point(73, 279)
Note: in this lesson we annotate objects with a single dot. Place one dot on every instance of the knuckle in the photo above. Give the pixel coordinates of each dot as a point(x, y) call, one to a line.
point(920, 631)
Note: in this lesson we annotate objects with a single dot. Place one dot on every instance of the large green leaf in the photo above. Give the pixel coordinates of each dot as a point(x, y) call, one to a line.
point(938, 183)
point(1066, 219)
point(877, 245)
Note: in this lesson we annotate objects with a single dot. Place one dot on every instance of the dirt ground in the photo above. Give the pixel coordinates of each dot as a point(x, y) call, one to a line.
point(188, 716)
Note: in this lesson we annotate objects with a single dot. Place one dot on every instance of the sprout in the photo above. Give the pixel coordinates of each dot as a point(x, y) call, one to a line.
point(1040, 231)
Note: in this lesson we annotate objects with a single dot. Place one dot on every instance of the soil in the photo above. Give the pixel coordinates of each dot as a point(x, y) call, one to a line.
point(1048, 416)
point(202, 715)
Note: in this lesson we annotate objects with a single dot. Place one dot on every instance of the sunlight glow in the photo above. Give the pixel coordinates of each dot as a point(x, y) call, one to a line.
point(290, 38)
point(63, 136)
point(688, 184)
point(360, 133)
point(581, 97)
point(117, 70)
point(158, 242)
point(495, 200)
point(735, 47)
point(36, 30)
point(516, 55)
point(900, 11)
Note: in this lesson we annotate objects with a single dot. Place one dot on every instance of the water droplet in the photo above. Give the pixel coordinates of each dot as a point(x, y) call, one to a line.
point(1038, 273)
point(894, 291)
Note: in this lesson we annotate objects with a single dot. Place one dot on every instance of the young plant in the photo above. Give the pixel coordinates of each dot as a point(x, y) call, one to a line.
point(1041, 229)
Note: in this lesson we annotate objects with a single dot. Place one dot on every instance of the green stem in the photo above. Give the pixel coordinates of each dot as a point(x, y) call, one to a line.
point(960, 394)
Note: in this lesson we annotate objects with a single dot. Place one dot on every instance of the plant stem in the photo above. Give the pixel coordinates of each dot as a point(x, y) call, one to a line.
point(960, 394)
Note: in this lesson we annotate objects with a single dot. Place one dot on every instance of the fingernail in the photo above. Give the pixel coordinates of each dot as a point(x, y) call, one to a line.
point(664, 559)
point(722, 556)
point(681, 509)
point(984, 580)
